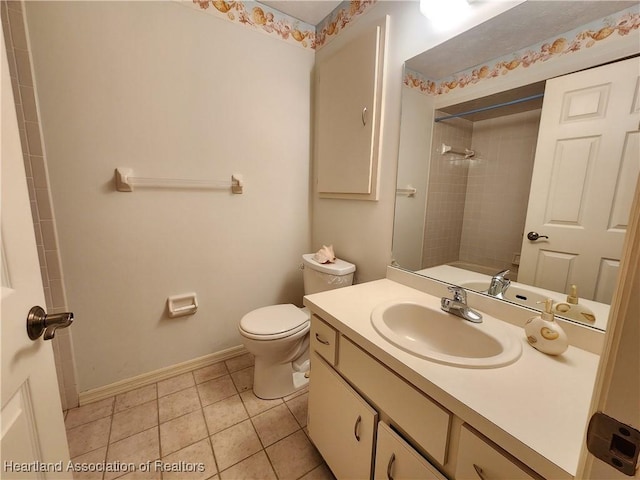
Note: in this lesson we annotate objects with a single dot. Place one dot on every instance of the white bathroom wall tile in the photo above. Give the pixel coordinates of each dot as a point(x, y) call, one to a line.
point(28, 98)
point(53, 264)
point(48, 234)
point(23, 66)
point(58, 297)
point(24, 141)
point(45, 277)
point(18, 33)
point(33, 138)
point(44, 204)
point(47, 296)
point(38, 171)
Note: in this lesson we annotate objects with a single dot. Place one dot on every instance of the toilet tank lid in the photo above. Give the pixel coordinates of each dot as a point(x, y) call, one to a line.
point(339, 267)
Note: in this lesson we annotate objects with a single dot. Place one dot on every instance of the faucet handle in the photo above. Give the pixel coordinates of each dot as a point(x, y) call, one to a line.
point(501, 275)
point(459, 294)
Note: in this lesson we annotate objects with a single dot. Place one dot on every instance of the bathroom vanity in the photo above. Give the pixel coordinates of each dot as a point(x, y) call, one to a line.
point(379, 411)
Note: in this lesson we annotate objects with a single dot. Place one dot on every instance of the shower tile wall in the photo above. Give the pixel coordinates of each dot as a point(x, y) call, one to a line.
point(476, 210)
point(446, 193)
point(498, 189)
point(22, 82)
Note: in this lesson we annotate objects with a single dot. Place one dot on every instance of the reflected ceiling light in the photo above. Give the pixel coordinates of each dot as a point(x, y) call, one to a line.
point(444, 13)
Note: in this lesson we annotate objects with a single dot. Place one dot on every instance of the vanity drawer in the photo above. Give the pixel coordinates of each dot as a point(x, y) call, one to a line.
point(412, 412)
point(324, 339)
point(479, 460)
point(396, 459)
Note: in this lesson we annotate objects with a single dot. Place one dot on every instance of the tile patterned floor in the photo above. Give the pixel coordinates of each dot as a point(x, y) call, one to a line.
point(206, 420)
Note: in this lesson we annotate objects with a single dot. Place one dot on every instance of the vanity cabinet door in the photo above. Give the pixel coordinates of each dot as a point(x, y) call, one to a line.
point(478, 460)
point(397, 460)
point(341, 424)
point(415, 414)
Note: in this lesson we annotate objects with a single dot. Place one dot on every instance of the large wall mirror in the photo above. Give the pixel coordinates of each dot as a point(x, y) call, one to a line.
point(496, 196)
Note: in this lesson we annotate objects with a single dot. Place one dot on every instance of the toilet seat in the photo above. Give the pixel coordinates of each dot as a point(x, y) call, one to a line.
point(274, 322)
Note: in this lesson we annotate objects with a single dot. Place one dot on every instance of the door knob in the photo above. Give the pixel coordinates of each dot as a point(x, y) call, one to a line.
point(38, 321)
point(533, 236)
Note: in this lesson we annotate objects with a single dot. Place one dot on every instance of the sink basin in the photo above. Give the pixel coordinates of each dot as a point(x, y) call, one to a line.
point(427, 332)
point(515, 294)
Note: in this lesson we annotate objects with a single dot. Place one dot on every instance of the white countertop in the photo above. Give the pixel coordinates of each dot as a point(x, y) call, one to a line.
point(540, 403)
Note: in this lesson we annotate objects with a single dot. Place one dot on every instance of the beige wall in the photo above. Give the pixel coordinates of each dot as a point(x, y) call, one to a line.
point(170, 92)
point(362, 231)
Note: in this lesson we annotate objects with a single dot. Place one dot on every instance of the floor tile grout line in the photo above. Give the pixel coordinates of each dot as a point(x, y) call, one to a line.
point(206, 426)
point(250, 417)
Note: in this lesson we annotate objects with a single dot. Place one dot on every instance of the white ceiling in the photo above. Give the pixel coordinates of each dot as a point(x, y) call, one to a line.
point(309, 11)
point(525, 24)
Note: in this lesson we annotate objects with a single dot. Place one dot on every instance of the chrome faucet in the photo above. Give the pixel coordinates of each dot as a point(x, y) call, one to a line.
point(458, 305)
point(499, 284)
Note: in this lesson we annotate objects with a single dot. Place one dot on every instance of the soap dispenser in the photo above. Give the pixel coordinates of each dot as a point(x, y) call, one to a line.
point(573, 310)
point(544, 334)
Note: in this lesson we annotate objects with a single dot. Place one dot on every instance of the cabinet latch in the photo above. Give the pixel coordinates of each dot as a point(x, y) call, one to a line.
point(614, 443)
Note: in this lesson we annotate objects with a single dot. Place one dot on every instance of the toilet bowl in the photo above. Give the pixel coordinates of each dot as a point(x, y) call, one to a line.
point(278, 335)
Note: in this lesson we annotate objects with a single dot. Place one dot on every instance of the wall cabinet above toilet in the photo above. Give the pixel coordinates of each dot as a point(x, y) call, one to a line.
point(349, 87)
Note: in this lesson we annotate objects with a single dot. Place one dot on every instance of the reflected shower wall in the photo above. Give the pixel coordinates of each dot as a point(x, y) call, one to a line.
point(476, 208)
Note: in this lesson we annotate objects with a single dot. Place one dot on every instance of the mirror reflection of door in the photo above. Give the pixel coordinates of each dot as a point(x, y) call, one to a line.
point(584, 177)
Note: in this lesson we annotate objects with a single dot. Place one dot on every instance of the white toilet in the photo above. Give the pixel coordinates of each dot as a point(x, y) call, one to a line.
point(278, 335)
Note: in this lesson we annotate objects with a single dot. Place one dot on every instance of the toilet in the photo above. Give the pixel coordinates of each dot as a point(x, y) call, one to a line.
point(278, 335)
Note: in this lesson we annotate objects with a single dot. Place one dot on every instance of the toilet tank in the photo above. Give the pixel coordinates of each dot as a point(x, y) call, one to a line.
point(319, 277)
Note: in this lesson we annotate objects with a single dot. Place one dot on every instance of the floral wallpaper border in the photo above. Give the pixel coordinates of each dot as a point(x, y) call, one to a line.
point(273, 22)
point(586, 36)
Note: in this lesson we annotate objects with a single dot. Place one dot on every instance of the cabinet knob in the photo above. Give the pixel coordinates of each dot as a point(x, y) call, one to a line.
point(364, 116)
point(322, 340)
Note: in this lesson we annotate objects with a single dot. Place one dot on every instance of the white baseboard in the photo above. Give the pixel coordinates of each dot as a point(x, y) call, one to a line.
point(138, 381)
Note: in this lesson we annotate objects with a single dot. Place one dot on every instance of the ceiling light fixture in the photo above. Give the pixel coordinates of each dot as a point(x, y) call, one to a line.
point(445, 13)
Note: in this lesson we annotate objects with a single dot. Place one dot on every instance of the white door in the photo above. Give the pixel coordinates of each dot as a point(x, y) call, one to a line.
point(33, 434)
point(586, 168)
